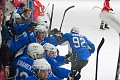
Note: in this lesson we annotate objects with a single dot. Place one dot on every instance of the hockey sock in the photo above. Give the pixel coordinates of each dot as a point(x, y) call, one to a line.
point(102, 24)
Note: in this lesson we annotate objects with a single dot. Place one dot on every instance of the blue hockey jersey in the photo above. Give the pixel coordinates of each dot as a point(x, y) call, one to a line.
point(56, 69)
point(24, 40)
point(18, 28)
point(52, 40)
point(78, 44)
point(23, 67)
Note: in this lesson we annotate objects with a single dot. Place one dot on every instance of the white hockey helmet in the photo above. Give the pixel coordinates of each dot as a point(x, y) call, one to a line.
point(74, 30)
point(49, 48)
point(40, 28)
point(34, 50)
point(41, 21)
point(40, 64)
point(16, 15)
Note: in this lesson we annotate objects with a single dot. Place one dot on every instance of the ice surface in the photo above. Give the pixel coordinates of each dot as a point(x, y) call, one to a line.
point(88, 22)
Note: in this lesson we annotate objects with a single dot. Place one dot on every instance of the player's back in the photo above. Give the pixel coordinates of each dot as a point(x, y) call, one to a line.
point(77, 44)
point(23, 68)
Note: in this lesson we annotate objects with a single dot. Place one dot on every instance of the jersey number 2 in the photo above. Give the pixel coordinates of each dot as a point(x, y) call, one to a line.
point(78, 42)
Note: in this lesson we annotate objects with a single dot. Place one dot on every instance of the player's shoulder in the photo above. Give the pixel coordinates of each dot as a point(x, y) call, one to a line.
point(67, 34)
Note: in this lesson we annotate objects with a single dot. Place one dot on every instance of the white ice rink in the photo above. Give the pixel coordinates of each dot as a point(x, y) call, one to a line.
point(88, 22)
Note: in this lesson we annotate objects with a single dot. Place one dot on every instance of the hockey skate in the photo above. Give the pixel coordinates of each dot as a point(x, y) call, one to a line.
point(107, 27)
point(102, 28)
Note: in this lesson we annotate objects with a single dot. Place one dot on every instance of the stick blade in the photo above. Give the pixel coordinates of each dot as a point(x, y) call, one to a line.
point(100, 45)
point(64, 16)
point(69, 8)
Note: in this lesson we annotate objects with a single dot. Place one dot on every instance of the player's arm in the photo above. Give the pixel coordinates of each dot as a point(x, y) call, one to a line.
point(36, 2)
point(107, 5)
point(90, 45)
point(56, 69)
point(18, 44)
point(57, 34)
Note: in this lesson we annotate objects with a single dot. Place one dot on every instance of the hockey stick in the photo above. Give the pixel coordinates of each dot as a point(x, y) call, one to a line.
point(73, 76)
point(96, 7)
point(47, 6)
point(113, 22)
point(118, 64)
point(50, 23)
point(64, 16)
point(101, 8)
point(98, 49)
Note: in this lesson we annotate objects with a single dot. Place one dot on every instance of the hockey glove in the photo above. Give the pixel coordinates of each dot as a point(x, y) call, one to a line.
point(74, 75)
point(32, 25)
point(54, 31)
point(57, 34)
point(70, 57)
point(9, 23)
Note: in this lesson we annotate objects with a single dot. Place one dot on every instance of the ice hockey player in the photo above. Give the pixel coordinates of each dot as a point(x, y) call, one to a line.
point(42, 71)
point(41, 20)
point(78, 45)
point(26, 38)
point(50, 56)
point(14, 28)
point(17, 18)
point(23, 63)
point(106, 7)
